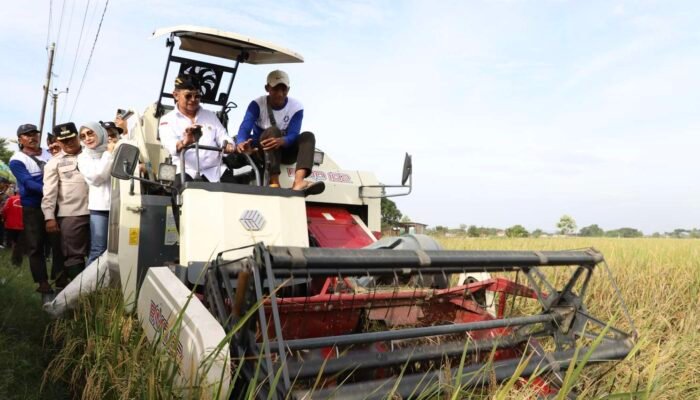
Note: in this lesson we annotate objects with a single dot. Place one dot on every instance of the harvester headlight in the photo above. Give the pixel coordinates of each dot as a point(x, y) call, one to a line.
point(318, 157)
point(166, 172)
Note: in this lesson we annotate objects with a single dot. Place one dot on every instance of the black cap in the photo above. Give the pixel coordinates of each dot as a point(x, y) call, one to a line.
point(188, 82)
point(27, 129)
point(65, 131)
point(111, 125)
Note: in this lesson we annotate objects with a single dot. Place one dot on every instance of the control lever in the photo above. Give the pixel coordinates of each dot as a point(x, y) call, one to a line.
point(221, 153)
point(268, 166)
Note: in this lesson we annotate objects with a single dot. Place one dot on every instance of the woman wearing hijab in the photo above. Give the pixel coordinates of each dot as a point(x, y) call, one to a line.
point(95, 163)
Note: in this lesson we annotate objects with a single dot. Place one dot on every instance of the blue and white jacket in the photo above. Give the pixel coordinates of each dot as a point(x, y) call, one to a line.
point(288, 120)
point(30, 178)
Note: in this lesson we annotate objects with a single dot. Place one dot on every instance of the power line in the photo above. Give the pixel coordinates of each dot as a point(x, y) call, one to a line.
point(97, 35)
point(92, 29)
point(75, 59)
point(48, 29)
point(88, 32)
point(60, 23)
point(66, 42)
point(77, 50)
point(94, 12)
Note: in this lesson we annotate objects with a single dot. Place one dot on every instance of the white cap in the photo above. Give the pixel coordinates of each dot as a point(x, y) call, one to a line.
point(276, 77)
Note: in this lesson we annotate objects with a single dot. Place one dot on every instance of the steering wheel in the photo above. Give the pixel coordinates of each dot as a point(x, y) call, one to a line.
point(196, 146)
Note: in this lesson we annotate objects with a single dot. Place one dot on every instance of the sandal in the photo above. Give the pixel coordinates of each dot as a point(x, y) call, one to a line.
point(314, 188)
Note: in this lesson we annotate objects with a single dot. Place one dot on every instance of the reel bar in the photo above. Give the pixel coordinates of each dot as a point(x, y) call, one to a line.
point(364, 360)
point(368, 260)
point(412, 333)
point(472, 375)
point(380, 272)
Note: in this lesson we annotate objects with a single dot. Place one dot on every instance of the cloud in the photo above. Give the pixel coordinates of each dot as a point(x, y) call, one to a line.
point(515, 112)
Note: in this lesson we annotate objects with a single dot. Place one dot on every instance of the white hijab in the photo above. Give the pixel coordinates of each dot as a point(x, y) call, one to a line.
point(101, 134)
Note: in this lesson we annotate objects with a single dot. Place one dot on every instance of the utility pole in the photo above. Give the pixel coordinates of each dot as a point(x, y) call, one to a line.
point(52, 49)
point(54, 97)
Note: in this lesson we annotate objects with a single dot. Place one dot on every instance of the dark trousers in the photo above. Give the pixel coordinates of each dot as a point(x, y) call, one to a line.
point(302, 151)
point(14, 240)
point(35, 237)
point(75, 239)
point(178, 177)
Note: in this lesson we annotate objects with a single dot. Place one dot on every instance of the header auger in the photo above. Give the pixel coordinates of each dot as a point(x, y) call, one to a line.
point(358, 317)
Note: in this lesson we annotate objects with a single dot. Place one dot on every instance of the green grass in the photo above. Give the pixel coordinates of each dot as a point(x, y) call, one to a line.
point(23, 355)
point(105, 356)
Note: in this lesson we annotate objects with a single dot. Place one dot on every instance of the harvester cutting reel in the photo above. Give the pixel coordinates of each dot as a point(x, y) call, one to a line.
point(366, 323)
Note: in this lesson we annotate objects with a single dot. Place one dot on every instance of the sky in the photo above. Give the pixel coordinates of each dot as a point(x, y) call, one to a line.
point(515, 111)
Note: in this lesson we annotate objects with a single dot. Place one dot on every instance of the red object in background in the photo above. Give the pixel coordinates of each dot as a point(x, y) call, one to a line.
point(12, 213)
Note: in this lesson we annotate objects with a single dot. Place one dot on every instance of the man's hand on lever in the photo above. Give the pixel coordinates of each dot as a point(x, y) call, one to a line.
point(272, 143)
point(245, 147)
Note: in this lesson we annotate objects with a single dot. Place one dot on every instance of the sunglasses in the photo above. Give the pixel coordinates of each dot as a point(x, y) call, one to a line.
point(84, 134)
point(190, 96)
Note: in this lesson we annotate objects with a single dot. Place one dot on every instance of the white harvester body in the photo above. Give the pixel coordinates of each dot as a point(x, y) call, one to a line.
point(175, 319)
point(156, 262)
point(285, 273)
point(214, 221)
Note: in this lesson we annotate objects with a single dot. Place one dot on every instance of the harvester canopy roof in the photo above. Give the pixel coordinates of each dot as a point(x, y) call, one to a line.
point(214, 42)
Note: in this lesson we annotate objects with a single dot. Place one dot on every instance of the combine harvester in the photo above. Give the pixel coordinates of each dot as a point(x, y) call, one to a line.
point(296, 293)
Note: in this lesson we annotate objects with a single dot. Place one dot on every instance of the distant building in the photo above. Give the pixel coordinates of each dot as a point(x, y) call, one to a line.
point(411, 227)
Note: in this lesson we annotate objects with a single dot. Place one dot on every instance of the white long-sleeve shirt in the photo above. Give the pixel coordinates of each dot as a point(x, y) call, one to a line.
point(172, 128)
point(96, 169)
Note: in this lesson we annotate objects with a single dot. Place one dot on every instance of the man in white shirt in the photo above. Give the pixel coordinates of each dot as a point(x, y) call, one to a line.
point(180, 127)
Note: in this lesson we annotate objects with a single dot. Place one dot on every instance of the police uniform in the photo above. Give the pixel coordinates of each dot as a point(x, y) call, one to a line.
point(66, 201)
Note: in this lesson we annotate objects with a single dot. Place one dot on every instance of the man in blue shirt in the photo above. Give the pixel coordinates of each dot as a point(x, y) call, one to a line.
point(27, 166)
point(272, 125)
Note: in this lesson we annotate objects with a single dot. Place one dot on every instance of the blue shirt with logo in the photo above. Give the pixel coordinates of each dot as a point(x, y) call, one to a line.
point(30, 179)
point(288, 119)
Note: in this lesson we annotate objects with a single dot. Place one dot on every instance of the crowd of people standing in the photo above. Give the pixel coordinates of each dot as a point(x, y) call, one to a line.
point(64, 192)
point(60, 204)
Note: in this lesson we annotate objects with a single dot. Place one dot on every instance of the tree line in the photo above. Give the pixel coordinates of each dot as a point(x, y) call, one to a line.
point(566, 226)
point(519, 231)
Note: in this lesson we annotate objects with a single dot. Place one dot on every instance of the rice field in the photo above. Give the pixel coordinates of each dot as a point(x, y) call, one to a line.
point(24, 352)
point(105, 356)
point(660, 282)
